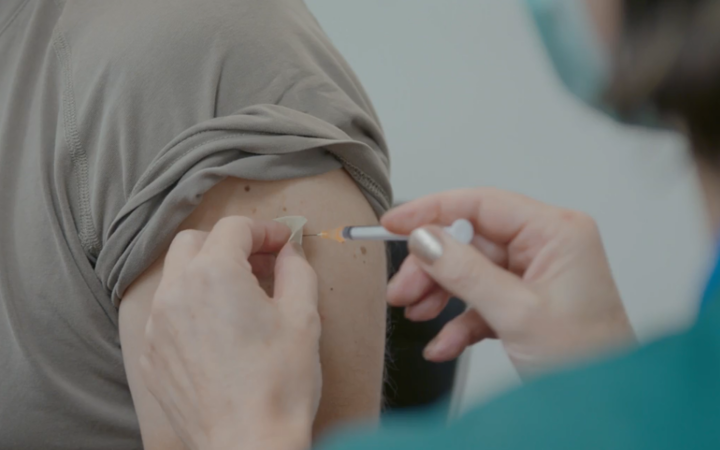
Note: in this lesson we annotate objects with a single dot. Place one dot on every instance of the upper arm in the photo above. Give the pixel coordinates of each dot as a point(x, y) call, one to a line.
point(352, 280)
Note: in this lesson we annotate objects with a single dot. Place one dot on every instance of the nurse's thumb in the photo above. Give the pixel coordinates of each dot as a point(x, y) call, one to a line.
point(466, 273)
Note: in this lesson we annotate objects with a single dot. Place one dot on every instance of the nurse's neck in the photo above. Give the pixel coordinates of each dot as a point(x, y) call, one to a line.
point(710, 183)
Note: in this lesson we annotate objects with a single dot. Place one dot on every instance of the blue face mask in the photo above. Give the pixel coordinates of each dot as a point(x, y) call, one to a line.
point(581, 60)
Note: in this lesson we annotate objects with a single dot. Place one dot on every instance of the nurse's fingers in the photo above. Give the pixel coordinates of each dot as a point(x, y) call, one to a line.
point(411, 284)
point(429, 307)
point(237, 237)
point(468, 274)
point(496, 253)
point(497, 215)
point(463, 331)
point(184, 247)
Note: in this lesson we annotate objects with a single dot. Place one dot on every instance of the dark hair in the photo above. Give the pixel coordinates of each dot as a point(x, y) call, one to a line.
point(669, 58)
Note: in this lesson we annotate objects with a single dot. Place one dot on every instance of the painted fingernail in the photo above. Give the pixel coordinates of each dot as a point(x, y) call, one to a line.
point(425, 246)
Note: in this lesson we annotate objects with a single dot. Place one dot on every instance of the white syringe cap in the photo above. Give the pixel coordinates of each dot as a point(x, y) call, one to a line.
point(461, 230)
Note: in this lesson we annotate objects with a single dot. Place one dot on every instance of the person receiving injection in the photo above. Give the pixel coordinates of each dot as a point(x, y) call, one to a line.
point(535, 276)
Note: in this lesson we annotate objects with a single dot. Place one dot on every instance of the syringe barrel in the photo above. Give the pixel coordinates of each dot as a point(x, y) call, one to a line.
point(461, 230)
point(371, 233)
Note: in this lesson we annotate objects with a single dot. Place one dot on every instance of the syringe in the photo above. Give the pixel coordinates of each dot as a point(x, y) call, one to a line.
point(461, 230)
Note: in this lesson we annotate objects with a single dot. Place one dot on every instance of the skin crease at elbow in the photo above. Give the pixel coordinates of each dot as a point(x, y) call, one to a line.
point(352, 281)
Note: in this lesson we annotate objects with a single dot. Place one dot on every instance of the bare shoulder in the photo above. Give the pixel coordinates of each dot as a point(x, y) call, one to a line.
point(325, 199)
point(328, 201)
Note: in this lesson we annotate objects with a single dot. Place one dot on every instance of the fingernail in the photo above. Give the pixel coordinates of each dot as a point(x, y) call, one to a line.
point(425, 246)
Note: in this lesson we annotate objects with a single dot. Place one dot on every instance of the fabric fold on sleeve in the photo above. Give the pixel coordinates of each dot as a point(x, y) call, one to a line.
point(264, 142)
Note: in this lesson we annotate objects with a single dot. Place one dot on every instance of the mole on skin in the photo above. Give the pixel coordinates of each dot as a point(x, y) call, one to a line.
point(247, 188)
point(363, 250)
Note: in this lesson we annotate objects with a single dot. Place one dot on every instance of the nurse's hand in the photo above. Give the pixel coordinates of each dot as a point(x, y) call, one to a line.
point(536, 277)
point(218, 348)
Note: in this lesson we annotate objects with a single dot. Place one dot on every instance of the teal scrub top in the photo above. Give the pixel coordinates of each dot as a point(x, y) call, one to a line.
point(665, 395)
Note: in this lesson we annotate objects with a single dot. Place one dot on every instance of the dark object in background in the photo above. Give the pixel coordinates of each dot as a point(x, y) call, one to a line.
point(411, 381)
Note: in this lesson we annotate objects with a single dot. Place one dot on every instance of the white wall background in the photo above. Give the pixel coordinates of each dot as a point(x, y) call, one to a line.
point(467, 98)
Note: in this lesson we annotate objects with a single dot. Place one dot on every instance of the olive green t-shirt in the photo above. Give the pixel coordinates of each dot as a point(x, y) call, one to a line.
point(115, 118)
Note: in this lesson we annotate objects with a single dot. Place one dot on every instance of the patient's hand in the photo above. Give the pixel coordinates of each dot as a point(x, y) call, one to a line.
point(230, 366)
